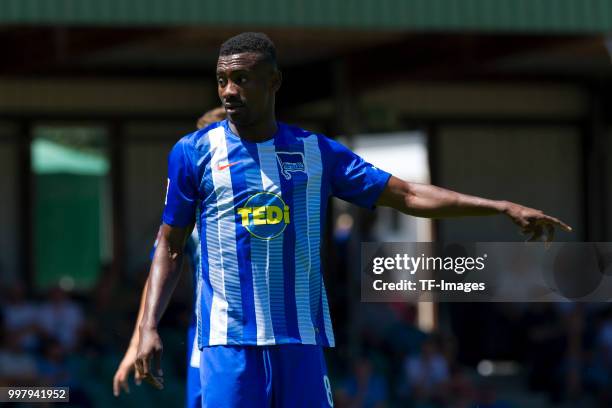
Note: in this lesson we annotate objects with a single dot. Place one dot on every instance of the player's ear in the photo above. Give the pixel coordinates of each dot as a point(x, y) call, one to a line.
point(277, 79)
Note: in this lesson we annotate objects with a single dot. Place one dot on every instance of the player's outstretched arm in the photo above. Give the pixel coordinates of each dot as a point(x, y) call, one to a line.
point(424, 200)
point(163, 277)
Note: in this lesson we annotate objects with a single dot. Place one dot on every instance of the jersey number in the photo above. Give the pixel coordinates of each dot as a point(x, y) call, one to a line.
point(328, 390)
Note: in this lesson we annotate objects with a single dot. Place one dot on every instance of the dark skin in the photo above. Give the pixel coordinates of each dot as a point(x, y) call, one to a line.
point(424, 200)
point(163, 277)
point(247, 85)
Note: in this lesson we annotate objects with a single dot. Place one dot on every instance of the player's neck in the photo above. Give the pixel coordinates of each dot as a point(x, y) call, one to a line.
point(255, 133)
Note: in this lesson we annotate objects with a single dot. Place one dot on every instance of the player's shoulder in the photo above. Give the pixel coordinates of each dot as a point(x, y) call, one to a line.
point(199, 138)
point(202, 136)
point(299, 134)
point(329, 147)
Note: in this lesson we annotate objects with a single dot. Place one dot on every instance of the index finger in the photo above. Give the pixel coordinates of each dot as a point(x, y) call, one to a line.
point(558, 223)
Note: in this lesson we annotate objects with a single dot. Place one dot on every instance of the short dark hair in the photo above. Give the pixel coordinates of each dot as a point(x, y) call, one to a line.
point(250, 42)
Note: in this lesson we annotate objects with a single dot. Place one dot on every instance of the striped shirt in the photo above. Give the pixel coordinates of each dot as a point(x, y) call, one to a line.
point(260, 212)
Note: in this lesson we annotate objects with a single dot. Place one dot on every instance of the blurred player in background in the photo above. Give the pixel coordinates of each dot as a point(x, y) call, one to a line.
point(212, 116)
point(192, 249)
point(257, 189)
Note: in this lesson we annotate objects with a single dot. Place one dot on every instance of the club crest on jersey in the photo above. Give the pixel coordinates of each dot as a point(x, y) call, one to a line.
point(265, 215)
point(290, 162)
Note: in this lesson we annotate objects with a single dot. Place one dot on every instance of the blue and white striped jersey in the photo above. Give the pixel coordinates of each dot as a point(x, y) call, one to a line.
point(260, 212)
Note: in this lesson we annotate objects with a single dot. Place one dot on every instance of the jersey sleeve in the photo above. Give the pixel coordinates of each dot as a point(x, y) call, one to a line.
point(181, 190)
point(354, 179)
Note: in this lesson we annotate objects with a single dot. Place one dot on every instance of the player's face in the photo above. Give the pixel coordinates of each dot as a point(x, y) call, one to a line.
point(246, 87)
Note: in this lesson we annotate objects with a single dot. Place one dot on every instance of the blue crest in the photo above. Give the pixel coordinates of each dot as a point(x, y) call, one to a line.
point(290, 162)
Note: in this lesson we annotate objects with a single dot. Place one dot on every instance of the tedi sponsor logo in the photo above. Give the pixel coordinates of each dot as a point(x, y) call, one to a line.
point(265, 215)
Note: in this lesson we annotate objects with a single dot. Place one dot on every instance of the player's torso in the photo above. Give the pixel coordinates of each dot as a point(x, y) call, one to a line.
point(260, 217)
point(262, 191)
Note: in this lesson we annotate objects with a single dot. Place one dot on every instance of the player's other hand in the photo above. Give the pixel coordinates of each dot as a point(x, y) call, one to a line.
point(120, 380)
point(148, 358)
point(534, 222)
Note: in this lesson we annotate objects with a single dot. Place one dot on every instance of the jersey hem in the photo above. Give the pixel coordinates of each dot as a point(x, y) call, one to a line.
point(378, 189)
point(173, 222)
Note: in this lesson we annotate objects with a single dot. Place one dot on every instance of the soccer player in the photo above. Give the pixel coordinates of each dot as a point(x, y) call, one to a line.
point(257, 191)
point(192, 249)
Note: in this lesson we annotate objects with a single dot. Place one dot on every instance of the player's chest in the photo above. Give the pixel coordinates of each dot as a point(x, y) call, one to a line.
point(240, 176)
